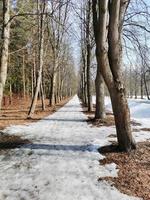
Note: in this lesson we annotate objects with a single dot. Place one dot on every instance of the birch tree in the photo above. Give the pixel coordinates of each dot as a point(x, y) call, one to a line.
point(5, 47)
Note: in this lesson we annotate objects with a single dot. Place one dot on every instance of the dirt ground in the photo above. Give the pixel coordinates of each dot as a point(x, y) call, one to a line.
point(134, 168)
point(16, 113)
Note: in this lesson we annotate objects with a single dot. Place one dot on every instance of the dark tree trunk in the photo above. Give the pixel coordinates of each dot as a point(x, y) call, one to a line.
point(108, 32)
point(100, 97)
point(122, 120)
point(88, 48)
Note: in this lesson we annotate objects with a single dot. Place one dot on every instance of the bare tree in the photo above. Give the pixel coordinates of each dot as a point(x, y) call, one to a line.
point(57, 30)
point(5, 47)
point(41, 19)
point(89, 49)
point(109, 19)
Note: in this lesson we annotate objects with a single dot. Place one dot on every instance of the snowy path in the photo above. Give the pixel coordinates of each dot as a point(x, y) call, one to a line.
point(62, 164)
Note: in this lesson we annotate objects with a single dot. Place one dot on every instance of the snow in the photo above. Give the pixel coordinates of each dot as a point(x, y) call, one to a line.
point(140, 113)
point(63, 161)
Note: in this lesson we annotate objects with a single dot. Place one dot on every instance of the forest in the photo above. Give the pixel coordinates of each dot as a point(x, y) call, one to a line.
point(74, 99)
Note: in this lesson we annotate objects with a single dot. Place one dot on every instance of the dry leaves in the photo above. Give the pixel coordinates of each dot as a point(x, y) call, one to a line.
point(134, 170)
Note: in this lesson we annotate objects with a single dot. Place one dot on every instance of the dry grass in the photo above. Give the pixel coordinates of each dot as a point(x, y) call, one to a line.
point(134, 169)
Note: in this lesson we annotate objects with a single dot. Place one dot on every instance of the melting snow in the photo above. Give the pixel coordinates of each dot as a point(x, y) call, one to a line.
point(62, 163)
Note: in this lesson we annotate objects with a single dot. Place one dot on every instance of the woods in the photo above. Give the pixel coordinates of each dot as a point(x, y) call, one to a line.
point(74, 99)
point(41, 57)
point(38, 59)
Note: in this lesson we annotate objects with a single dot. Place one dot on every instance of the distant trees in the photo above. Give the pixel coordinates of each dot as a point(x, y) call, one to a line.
point(35, 46)
point(86, 44)
point(136, 30)
point(41, 8)
point(40, 64)
point(87, 49)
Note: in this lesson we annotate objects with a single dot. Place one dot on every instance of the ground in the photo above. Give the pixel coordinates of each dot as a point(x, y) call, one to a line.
point(62, 160)
point(17, 111)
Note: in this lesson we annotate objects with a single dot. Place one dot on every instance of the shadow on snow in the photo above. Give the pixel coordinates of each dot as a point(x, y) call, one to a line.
point(60, 147)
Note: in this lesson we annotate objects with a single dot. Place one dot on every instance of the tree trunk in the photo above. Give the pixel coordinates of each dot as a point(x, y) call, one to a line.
point(122, 120)
point(5, 46)
point(85, 100)
point(146, 87)
point(89, 89)
point(100, 96)
point(142, 93)
point(53, 89)
point(117, 90)
point(23, 76)
point(109, 53)
point(42, 97)
point(40, 60)
point(10, 94)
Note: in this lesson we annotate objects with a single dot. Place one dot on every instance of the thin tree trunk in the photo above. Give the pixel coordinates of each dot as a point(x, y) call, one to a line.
point(23, 76)
point(42, 97)
point(85, 87)
point(88, 80)
point(53, 89)
point(135, 89)
point(146, 87)
point(141, 86)
point(5, 47)
point(10, 94)
point(40, 60)
point(32, 83)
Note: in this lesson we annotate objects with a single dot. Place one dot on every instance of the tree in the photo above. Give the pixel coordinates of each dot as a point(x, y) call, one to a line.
point(100, 95)
point(41, 19)
point(4, 47)
point(57, 26)
point(108, 21)
point(88, 50)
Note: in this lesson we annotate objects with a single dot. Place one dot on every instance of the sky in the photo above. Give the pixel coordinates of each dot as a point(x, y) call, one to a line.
point(132, 57)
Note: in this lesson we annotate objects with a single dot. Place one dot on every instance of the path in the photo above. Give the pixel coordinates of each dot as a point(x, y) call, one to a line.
point(63, 162)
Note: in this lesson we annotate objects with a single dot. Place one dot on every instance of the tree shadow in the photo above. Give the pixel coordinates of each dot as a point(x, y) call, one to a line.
point(61, 147)
point(113, 148)
point(64, 120)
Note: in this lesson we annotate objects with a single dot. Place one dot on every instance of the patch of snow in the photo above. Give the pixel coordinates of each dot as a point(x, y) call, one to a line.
point(62, 163)
point(140, 113)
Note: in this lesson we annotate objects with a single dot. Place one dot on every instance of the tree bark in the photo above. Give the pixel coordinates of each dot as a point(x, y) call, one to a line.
point(141, 86)
point(40, 61)
point(42, 96)
point(88, 46)
point(53, 89)
point(109, 53)
point(23, 76)
point(5, 47)
point(100, 96)
point(146, 87)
